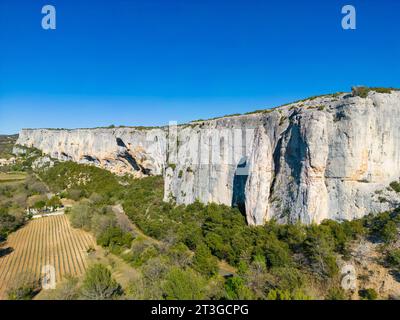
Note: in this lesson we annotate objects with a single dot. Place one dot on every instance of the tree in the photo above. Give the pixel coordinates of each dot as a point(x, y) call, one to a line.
point(204, 262)
point(236, 289)
point(114, 236)
point(393, 258)
point(101, 222)
point(184, 285)
point(319, 247)
point(99, 284)
point(389, 232)
point(277, 294)
point(81, 216)
point(39, 204)
point(368, 294)
point(277, 253)
point(54, 202)
point(6, 222)
point(180, 254)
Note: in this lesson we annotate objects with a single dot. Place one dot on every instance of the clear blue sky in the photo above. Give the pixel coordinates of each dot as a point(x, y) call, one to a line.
point(147, 62)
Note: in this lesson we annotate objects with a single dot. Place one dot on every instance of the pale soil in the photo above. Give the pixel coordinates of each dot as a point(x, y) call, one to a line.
point(371, 273)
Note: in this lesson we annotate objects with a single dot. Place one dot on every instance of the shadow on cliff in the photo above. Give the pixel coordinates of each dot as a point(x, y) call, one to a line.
point(239, 185)
point(128, 157)
point(294, 156)
point(295, 152)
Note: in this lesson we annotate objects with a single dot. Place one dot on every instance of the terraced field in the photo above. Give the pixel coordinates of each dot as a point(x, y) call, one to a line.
point(45, 241)
point(12, 176)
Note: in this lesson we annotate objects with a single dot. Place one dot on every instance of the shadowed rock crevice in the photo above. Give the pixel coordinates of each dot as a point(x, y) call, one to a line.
point(130, 159)
point(120, 143)
point(239, 185)
point(295, 152)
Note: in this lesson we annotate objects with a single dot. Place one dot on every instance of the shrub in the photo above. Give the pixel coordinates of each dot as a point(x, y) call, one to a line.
point(362, 91)
point(278, 294)
point(395, 185)
point(75, 194)
point(101, 222)
point(204, 262)
point(24, 287)
point(393, 258)
point(39, 204)
point(236, 289)
point(66, 290)
point(319, 247)
point(54, 202)
point(183, 285)
point(8, 223)
point(389, 232)
point(180, 254)
point(98, 284)
point(278, 254)
point(368, 294)
point(81, 216)
point(336, 293)
point(142, 257)
point(287, 278)
point(114, 236)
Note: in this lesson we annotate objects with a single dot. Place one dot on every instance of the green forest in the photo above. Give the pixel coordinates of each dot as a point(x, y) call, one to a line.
point(208, 251)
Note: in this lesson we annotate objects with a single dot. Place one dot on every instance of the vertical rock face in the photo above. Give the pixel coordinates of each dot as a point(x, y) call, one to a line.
point(327, 157)
point(330, 157)
point(121, 150)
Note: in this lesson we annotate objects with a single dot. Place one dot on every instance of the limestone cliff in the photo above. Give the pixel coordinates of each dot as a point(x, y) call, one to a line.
point(327, 157)
point(120, 150)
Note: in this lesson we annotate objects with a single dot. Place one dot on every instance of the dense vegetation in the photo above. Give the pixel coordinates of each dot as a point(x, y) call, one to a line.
point(15, 197)
point(6, 145)
point(185, 244)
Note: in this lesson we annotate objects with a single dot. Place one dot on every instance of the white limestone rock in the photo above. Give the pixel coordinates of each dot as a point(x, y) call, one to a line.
point(330, 157)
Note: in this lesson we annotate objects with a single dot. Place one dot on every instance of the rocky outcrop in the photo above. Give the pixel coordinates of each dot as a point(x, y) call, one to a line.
point(326, 157)
point(120, 150)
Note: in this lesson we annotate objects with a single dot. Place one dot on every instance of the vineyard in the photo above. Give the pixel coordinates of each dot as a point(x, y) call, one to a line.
point(46, 241)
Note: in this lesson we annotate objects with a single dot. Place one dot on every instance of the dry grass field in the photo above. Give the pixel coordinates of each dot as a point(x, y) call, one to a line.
point(12, 176)
point(45, 241)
